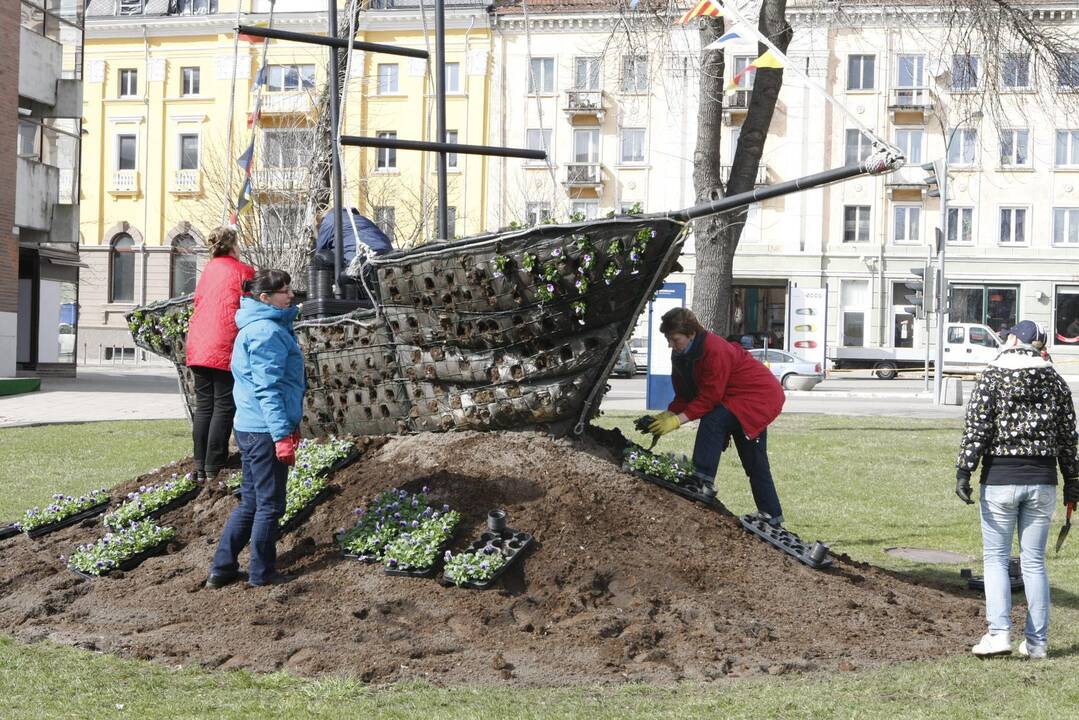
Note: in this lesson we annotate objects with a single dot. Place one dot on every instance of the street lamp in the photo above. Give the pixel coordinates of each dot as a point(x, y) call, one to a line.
point(940, 169)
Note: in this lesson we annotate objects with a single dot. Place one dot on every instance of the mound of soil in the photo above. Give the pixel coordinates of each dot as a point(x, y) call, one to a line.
point(627, 581)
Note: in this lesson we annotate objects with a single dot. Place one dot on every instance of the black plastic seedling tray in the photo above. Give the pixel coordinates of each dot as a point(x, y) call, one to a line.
point(427, 572)
point(977, 582)
point(344, 462)
point(70, 520)
point(130, 564)
point(513, 545)
point(360, 557)
point(8, 530)
point(692, 489)
point(305, 512)
point(787, 541)
point(171, 505)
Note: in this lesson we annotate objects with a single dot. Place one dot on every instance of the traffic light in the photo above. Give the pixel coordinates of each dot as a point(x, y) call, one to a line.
point(921, 300)
point(934, 172)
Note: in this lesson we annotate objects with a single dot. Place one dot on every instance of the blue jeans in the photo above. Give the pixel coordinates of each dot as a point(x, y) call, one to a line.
point(1002, 507)
point(715, 431)
point(262, 504)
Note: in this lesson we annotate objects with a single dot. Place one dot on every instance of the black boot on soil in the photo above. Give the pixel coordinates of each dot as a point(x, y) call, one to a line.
point(216, 582)
point(275, 579)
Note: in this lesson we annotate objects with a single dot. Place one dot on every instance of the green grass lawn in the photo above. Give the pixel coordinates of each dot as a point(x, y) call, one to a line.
point(861, 484)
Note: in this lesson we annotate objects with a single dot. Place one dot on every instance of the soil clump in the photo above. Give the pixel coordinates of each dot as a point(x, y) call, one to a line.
point(626, 582)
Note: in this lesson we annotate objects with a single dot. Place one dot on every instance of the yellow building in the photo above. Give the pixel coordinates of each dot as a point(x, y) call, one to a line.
point(159, 171)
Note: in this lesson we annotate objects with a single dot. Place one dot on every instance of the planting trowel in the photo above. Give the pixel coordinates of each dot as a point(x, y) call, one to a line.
point(641, 424)
point(1067, 526)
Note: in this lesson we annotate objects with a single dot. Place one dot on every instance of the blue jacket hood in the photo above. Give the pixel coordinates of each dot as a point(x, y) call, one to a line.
point(252, 310)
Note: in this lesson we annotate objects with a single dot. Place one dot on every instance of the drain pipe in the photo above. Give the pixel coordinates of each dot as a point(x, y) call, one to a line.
point(145, 166)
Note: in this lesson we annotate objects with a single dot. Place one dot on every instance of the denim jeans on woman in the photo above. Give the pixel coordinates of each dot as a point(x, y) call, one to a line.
point(1004, 508)
point(714, 434)
point(262, 504)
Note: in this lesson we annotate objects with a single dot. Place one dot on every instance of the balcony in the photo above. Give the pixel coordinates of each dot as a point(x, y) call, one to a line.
point(585, 103)
point(286, 179)
point(124, 182)
point(40, 63)
point(287, 103)
point(908, 177)
point(36, 192)
point(910, 101)
point(737, 105)
point(760, 179)
point(186, 182)
point(584, 176)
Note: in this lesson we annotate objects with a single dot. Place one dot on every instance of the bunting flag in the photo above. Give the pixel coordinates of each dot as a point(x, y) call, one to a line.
point(253, 118)
point(244, 161)
point(704, 8)
point(737, 32)
point(767, 59)
point(244, 201)
point(254, 38)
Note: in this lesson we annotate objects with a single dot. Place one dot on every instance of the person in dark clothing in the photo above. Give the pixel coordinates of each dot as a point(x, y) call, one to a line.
point(732, 394)
point(372, 242)
point(210, 334)
point(1020, 425)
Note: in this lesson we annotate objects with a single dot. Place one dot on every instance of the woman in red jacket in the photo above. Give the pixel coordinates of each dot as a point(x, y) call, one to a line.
point(210, 335)
point(732, 394)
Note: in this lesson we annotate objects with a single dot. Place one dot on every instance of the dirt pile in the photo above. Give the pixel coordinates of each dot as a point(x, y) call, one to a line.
point(627, 581)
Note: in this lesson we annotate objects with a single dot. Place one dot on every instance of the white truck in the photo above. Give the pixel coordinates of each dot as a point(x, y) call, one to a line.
point(968, 347)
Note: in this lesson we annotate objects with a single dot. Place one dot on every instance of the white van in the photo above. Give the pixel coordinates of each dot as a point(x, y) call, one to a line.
point(968, 347)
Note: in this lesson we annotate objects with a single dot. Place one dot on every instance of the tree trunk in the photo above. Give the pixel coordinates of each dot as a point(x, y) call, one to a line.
point(717, 236)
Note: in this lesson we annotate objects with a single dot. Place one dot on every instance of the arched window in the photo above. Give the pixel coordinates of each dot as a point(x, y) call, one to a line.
point(183, 266)
point(122, 269)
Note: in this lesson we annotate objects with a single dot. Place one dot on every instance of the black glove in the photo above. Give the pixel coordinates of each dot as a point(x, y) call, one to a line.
point(1071, 491)
point(962, 487)
point(641, 424)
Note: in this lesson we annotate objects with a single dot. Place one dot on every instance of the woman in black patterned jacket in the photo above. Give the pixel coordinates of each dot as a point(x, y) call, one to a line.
point(1020, 426)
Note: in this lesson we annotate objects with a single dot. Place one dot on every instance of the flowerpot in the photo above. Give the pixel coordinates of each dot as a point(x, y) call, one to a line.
point(818, 552)
point(496, 520)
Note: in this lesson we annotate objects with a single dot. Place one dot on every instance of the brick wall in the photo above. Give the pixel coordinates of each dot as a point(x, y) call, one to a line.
point(9, 113)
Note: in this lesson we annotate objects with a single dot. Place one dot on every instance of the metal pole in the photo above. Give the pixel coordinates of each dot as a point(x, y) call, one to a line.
point(942, 283)
point(331, 41)
point(440, 114)
point(335, 155)
point(928, 343)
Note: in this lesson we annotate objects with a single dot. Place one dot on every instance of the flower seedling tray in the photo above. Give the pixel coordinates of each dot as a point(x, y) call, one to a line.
point(173, 504)
point(692, 489)
point(514, 544)
point(343, 463)
point(427, 572)
point(8, 530)
point(360, 557)
point(786, 541)
point(305, 512)
point(70, 520)
point(130, 564)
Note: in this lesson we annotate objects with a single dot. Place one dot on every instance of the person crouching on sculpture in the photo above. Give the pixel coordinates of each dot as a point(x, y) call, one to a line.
point(210, 335)
point(269, 387)
point(732, 394)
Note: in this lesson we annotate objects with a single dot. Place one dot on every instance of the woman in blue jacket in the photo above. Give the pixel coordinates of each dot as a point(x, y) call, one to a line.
point(267, 366)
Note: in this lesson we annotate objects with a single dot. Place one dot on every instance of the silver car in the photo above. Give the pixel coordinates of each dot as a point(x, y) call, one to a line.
point(794, 373)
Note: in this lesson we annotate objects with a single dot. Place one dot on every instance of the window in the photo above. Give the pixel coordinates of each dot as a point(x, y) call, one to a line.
point(957, 335)
point(1068, 71)
point(183, 268)
point(281, 78)
point(453, 77)
point(1066, 226)
point(861, 72)
point(853, 296)
point(744, 78)
point(190, 81)
point(964, 72)
point(196, 7)
point(189, 151)
point(451, 157)
point(963, 146)
point(387, 78)
point(960, 225)
point(981, 336)
point(588, 209)
point(1014, 148)
point(910, 71)
point(903, 322)
point(632, 145)
point(909, 141)
point(537, 212)
point(1066, 315)
point(126, 152)
point(586, 145)
point(586, 73)
point(635, 73)
point(541, 76)
point(858, 147)
point(906, 221)
point(1067, 148)
point(28, 145)
point(287, 148)
point(387, 157)
point(536, 139)
point(855, 223)
point(1015, 72)
point(1013, 226)
point(129, 82)
point(990, 305)
point(122, 269)
point(386, 219)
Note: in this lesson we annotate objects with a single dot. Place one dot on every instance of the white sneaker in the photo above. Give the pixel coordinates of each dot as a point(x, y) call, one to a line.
point(1033, 651)
point(993, 645)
